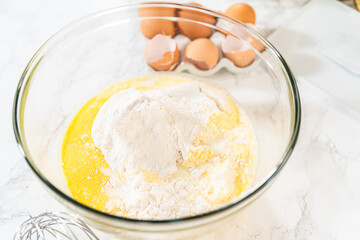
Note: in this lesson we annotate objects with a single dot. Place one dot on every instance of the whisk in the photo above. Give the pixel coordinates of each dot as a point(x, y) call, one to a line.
point(54, 225)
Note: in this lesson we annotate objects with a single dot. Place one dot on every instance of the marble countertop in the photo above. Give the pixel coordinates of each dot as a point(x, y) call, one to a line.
point(317, 196)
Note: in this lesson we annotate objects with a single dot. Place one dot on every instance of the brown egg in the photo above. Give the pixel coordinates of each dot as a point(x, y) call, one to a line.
point(194, 30)
point(151, 27)
point(161, 53)
point(236, 51)
point(242, 12)
point(202, 53)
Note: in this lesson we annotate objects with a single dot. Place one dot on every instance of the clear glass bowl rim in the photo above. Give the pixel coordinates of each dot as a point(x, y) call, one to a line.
point(254, 191)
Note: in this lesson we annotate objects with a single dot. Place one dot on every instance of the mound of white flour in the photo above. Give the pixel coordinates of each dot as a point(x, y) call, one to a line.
point(152, 130)
point(142, 132)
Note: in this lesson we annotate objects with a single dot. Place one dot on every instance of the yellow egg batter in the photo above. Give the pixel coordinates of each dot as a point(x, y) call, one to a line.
point(85, 168)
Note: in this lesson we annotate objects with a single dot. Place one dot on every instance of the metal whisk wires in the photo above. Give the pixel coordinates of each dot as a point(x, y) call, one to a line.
point(54, 225)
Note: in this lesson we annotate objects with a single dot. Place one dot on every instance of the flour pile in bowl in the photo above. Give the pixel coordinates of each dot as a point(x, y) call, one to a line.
point(173, 148)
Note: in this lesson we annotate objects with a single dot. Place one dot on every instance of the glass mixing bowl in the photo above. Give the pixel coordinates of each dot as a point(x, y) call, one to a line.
point(107, 47)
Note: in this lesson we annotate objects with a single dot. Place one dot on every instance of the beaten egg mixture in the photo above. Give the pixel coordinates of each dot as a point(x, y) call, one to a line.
point(217, 167)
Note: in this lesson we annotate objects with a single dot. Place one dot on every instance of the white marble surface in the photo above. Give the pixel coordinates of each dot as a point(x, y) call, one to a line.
point(317, 196)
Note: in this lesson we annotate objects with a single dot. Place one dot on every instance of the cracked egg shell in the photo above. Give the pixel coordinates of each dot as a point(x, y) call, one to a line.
point(244, 35)
point(237, 51)
point(191, 29)
point(151, 27)
point(161, 53)
point(202, 53)
point(257, 44)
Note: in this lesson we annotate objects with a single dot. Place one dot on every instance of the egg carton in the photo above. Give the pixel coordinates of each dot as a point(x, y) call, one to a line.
point(223, 63)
